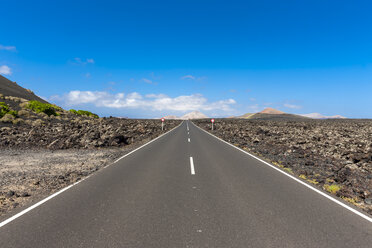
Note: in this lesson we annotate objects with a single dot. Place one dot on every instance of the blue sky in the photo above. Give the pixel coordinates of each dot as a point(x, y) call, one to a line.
point(154, 58)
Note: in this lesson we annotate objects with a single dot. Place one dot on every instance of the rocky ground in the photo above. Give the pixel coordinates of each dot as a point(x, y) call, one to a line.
point(29, 175)
point(42, 152)
point(81, 132)
point(334, 155)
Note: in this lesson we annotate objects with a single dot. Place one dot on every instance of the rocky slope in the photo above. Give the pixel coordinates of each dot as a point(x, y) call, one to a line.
point(334, 155)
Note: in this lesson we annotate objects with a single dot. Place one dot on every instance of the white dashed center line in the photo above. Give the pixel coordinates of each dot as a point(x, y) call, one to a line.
point(192, 166)
point(188, 139)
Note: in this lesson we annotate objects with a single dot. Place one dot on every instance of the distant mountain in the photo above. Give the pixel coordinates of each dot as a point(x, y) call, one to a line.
point(271, 114)
point(10, 88)
point(171, 117)
point(271, 111)
point(320, 116)
point(193, 115)
point(284, 116)
point(246, 116)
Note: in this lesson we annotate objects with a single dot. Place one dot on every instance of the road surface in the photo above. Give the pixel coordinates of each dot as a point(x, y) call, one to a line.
point(188, 189)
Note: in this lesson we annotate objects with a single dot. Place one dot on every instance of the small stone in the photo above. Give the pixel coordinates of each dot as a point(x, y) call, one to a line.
point(10, 193)
point(25, 194)
point(368, 201)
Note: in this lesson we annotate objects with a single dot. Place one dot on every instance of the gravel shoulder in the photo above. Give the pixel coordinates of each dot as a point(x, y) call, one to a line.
point(333, 155)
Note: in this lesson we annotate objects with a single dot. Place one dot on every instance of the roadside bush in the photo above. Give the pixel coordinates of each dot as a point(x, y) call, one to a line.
point(83, 112)
point(4, 109)
point(7, 118)
point(332, 188)
point(46, 108)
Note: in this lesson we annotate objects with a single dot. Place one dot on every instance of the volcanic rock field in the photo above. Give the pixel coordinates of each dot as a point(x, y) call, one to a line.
point(41, 153)
point(334, 155)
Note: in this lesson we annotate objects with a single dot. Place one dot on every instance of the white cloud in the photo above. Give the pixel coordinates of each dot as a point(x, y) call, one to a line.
point(188, 77)
point(148, 81)
point(292, 106)
point(8, 48)
point(79, 61)
point(5, 70)
point(151, 102)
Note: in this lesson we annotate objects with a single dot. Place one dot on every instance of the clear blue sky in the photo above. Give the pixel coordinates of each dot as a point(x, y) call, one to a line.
point(155, 58)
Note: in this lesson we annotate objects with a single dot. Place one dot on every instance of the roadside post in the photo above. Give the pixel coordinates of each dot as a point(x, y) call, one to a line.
point(162, 124)
point(212, 123)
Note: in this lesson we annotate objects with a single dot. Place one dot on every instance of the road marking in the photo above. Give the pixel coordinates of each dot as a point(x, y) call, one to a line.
point(35, 205)
point(188, 139)
point(296, 179)
point(3, 223)
point(146, 144)
point(192, 166)
point(187, 124)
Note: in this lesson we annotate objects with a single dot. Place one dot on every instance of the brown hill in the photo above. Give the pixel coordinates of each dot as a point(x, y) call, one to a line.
point(284, 116)
point(271, 111)
point(9, 88)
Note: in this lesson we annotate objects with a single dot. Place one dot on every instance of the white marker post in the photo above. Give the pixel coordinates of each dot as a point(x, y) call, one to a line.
point(162, 124)
point(212, 123)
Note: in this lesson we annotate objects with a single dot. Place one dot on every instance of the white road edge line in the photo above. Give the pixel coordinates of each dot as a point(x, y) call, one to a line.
point(147, 143)
point(296, 179)
point(10, 219)
point(192, 166)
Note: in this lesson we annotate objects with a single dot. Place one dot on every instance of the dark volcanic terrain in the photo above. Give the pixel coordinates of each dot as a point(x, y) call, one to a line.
point(44, 148)
point(334, 155)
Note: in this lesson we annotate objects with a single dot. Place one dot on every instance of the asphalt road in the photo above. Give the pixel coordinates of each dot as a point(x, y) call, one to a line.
point(151, 199)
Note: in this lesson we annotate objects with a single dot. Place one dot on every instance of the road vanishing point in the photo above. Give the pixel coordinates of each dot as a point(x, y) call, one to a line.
point(187, 189)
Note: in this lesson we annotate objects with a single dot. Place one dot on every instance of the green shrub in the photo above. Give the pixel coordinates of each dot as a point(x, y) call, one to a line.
point(73, 111)
point(83, 112)
point(289, 170)
point(46, 108)
point(13, 112)
point(4, 109)
point(332, 188)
